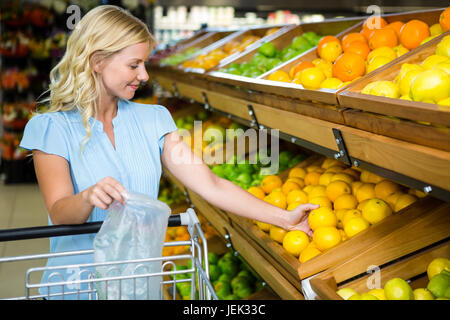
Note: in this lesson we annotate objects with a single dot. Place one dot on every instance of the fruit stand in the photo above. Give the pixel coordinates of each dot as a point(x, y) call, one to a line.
point(373, 137)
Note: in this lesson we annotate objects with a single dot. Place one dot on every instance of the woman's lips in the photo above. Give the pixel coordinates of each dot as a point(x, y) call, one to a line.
point(134, 87)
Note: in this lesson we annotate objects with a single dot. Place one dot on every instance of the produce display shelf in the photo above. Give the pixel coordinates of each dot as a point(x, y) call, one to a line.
point(328, 27)
point(352, 97)
point(411, 268)
point(330, 96)
point(418, 166)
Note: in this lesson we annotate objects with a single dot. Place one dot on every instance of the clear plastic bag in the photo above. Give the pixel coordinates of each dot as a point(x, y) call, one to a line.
point(132, 231)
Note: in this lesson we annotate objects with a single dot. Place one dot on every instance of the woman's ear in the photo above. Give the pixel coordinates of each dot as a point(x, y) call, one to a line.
point(96, 60)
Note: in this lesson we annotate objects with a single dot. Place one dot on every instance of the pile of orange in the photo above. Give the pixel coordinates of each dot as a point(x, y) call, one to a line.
point(356, 54)
point(213, 58)
point(350, 199)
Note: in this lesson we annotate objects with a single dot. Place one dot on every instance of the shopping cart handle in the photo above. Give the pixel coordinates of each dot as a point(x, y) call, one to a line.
point(63, 230)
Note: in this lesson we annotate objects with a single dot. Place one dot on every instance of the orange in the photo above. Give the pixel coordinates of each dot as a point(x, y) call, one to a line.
point(376, 210)
point(308, 253)
point(314, 168)
point(404, 201)
point(359, 47)
point(299, 67)
point(334, 169)
point(279, 75)
point(312, 178)
point(413, 33)
point(324, 40)
point(343, 177)
point(297, 196)
point(350, 214)
point(345, 201)
point(375, 22)
point(362, 204)
point(289, 186)
point(366, 33)
point(257, 192)
point(277, 198)
point(444, 20)
point(396, 26)
point(330, 162)
point(366, 191)
point(321, 201)
point(326, 238)
point(277, 233)
point(385, 188)
point(298, 181)
point(355, 226)
point(383, 38)
point(337, 188)
point(322, 217)
point(330, 51)
point(271, 182)
point(351, 37)
point(297, 173)
point(349, 66)
point(318, 191)
point(295, 242)
point(311, 78)
point(263, 226)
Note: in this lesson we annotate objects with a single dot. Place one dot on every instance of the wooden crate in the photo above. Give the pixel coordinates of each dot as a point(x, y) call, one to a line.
point(239, 36)
point(332, 26)
point(406, 130)
point(202, 43)
point(352, 97)
point(411, 268)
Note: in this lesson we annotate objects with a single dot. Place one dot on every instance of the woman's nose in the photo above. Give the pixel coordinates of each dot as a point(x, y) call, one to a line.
point(143, 75)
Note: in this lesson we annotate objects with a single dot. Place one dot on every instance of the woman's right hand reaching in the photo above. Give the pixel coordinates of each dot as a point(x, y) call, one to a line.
point(104, 192)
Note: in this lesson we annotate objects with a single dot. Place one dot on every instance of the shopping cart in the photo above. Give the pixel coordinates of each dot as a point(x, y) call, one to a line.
point(86, 282)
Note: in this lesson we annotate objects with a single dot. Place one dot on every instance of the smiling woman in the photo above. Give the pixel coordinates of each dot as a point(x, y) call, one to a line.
point(93, 145)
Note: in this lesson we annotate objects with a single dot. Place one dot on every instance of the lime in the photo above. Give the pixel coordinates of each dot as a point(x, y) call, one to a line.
point(245, 167)
point(398, 289)
point(222, 289)
point(296, 160)
point(214, 272)
point(219, 171)
point(244, 178)
point(184, 289)
point(231, 297)
point(224, 277)
point(436, 266)
point(228, 266)
point(284, 157)
point(213, 258)
point(438, 285)
point(422, 294)
point(247, 274)
point(268, 49)
point(202, 115)
point(239, 281)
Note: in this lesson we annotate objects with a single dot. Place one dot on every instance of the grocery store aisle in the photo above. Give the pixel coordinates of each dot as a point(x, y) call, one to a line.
point(21, 206)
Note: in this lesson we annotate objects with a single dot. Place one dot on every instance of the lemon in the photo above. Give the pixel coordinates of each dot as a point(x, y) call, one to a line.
point(350, 214)
point(368, 296)
point(355, 297)
point(404, 201)
point(436, 266)
point(378, 62)
point(277, 234)
point(400, 50)
point(308, 253)
point(311, 78)
point(428, 39)
point(325, 66)
point(422, 294)
point(406, 97)
point(444, 103)
point(346, 293)
point(398, 289)
point(355, 225)
point(263, 226)
point(379, 293)
point(326, 238)
point(432, 60)
point(376, 210)
point(435, 29)
point(322, 217)
point(295, 242)
point(444, 66)
point(430, 85)
point(331, 83)
point(383, 52)
point(443, 47)
point(406, 67)
point(318, 191)
point(325, 178)
point(385, 89)
point(404, 84)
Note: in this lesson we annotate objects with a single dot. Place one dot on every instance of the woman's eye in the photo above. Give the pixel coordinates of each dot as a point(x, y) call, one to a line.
point(133, 67)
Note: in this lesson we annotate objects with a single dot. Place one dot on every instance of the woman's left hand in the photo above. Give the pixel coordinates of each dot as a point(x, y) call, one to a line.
point(297, 219)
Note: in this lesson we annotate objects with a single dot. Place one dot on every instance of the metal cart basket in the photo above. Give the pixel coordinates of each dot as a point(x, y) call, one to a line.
point(83, 284)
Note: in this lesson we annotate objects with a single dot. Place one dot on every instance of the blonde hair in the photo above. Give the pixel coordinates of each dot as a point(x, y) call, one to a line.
point(103, 31)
